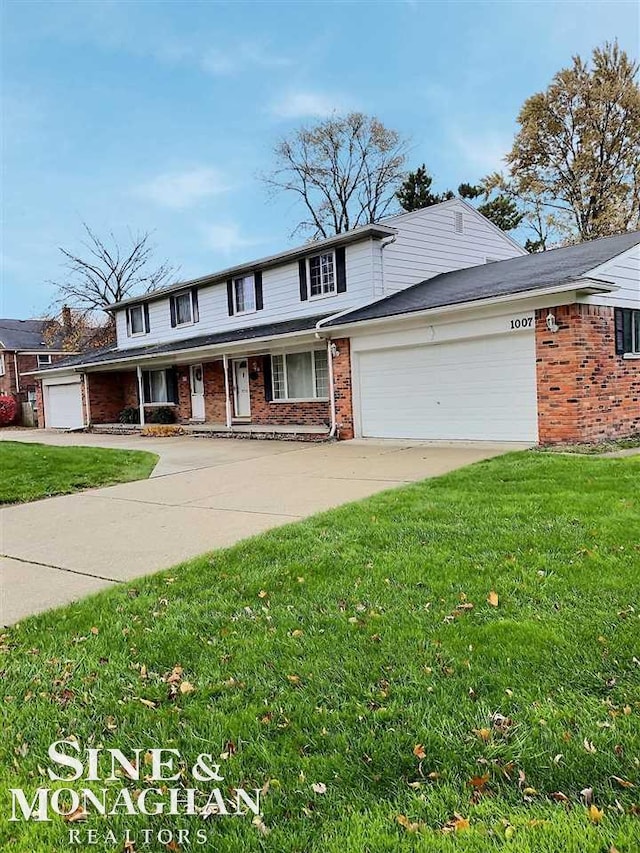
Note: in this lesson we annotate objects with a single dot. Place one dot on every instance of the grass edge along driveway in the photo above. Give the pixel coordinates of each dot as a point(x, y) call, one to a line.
point(34, 471)
point(447, 666)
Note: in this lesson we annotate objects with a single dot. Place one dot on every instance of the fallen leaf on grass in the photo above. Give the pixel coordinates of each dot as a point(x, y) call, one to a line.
point(418, 751)
point(624, 783)
point(405, 823)
point(595, 814)
point(78, 814)
point(492, 598)
point(559, 797)
point(260, 825)
point(456, 824)
point(186, 687)
point(148, 703)
point(483, 734)
point(319, 788)
point(479, 782)
point(588, 745)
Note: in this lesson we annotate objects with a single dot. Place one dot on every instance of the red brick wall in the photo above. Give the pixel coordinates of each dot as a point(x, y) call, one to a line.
point(585, 391)
point(343, 391)
point(109, 394)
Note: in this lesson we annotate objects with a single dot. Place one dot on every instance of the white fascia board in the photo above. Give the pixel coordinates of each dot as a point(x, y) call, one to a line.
point(186, 355)
point(575, 287)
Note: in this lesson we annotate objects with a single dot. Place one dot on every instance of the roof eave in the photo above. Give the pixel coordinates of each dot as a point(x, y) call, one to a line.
point(372, 231)
point(582, 286)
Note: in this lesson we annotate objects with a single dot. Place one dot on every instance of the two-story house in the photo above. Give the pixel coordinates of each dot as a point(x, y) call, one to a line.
point(429, 325)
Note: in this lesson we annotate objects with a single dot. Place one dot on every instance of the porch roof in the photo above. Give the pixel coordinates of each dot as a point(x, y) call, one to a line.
point(113, 355)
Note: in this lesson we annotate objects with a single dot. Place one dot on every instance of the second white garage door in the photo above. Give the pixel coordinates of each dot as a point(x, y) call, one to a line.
point(474, 390)
point(63, 406)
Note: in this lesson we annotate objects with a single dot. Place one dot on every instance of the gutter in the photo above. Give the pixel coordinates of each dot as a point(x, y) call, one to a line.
point(593, 286)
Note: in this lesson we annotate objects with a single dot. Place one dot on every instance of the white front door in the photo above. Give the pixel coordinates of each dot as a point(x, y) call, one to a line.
point(241, 404)
point(197, 392)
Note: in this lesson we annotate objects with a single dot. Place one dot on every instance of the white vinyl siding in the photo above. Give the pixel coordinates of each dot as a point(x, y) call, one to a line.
point(427, 244)
point(624, 271)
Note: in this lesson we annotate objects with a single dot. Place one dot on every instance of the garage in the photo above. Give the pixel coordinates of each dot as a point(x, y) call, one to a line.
point(481, 389)
point(63, 404)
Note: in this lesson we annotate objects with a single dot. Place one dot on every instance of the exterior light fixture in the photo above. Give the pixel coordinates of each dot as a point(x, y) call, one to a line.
point(334, 351)
point(552, 326)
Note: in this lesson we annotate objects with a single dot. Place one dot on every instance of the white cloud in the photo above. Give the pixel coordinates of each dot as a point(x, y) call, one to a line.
point(308, 105)
point(226, 238)
point(241, 57)
point(183, 189)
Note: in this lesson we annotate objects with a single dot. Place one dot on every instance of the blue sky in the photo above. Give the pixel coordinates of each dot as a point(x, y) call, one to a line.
point(160, 116)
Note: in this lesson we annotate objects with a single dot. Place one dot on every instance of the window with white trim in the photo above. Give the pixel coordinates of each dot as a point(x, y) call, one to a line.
point(44, 360)
point(300, 375)
point(159, 386)
point(135, 315)
point(322, 274)
point(244, 295)
point(2, 367)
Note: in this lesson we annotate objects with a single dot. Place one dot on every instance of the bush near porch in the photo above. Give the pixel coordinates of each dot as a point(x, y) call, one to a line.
point(451, 666)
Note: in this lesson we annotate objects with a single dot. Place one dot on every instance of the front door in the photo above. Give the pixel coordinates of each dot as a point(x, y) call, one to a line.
point(241, 404)
point(197, 392)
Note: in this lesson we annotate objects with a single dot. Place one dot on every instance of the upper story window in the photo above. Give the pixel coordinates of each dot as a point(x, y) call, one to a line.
point(136, 320)
point(244, 295)
point(184, 308)
point(627, 322)
point(2, 367)
point(44, 360)
point(324, 274)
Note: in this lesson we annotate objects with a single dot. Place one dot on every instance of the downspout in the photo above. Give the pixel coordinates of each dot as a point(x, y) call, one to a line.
point(87, 404)
point(227, 396)
point(383, 245)
point(332, 389)
point(15, 367)
point(140, 393)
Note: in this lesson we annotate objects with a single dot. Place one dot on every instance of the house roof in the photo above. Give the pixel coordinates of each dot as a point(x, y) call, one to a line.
point(113, 354)
point(375, 231)
point(500, 278)
point(27, 335)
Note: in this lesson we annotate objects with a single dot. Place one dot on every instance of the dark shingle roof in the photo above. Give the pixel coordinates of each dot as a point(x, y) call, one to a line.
point(267, 330)
point(501, 278)
point(27, 335)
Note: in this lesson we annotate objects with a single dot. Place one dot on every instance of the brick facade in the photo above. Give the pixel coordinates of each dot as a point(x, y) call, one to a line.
point(109, 394)
point(585, 391)
point(26, 364)
point(342, 388)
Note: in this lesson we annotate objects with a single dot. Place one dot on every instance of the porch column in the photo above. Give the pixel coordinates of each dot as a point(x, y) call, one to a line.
point(227, 396)
point(140, 393)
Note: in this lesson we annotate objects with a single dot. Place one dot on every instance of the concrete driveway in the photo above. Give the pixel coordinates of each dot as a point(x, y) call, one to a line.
point(204, 494)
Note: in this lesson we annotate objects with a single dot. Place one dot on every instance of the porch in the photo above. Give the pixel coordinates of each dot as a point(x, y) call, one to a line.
point(291, 432)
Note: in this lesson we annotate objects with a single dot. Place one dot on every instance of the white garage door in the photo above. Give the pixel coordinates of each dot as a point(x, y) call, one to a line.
point(64, 406)
point(474, 390)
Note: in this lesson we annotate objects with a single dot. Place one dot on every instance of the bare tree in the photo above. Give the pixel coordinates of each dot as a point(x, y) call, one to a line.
point(108, 273)
point(345, 170)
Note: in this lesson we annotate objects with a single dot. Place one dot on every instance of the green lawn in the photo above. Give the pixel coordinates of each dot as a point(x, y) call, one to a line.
point(32, 471)
point(358, 651)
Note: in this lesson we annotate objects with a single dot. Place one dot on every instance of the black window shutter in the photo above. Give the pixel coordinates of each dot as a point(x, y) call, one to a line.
point(147, 324)
point(172, 385)
point(194, 303)
point(230, 296)
point(172, 305)
point(341, 270)
point(257, 278)
point(146, 386)
point(624, 341)
point(302, 272)
point(268, 385)
point(128, 323)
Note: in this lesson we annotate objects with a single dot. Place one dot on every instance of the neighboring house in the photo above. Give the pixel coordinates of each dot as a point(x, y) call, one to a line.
point(26, 346)
point(430, 325)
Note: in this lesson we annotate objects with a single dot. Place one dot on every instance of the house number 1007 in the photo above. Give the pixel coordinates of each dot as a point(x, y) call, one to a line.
point(522, 323)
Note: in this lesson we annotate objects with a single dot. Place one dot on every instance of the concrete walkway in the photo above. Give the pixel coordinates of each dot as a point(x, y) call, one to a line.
point(204, 494)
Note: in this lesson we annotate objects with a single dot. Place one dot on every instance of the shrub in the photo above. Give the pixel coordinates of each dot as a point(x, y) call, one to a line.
point(161, 415)
point(162, 431)
point(130, 415)
point(8, 410)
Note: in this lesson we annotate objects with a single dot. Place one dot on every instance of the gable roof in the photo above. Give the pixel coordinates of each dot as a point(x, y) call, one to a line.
point(230, 336)
point(374, 231)
point(501, 278)
point(27, 335)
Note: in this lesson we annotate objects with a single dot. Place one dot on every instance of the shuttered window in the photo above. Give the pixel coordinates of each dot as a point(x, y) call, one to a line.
point(300, 376)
